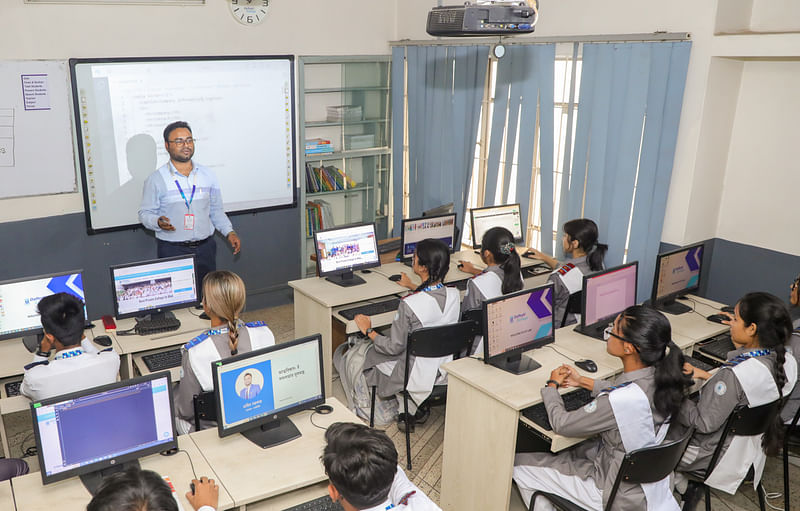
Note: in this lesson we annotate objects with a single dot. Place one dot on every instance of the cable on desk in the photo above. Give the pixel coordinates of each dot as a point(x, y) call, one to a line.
point(193, 314)
point(311, 419)
point(130, 331)
point(190, 461)
point(694, 305)
point(563, 355)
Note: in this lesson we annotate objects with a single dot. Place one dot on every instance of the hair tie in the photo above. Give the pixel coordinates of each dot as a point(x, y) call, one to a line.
point(507, 248)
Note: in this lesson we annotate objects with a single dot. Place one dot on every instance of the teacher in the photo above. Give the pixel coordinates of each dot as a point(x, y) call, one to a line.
point(182, 203)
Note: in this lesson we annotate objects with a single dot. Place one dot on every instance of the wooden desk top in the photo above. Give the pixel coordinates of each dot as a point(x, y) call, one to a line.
point(191, 326)
point(694, 325)
point(71, 495)
point(6, 497)
point(281, 468)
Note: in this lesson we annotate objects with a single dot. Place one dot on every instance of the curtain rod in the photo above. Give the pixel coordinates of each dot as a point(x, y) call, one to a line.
point(615, 38)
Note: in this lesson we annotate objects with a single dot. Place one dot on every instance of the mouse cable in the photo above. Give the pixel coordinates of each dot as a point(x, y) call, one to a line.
point(190, 462)
point(373, 270)
point(694, 305)
point(560, 353)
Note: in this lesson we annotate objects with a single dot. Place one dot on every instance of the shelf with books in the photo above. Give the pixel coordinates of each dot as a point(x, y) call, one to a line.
point(329, 90)
point(354, 153)
point(334, 192)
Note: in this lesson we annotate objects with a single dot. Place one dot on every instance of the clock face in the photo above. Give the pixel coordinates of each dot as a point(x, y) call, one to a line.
point(249, 12)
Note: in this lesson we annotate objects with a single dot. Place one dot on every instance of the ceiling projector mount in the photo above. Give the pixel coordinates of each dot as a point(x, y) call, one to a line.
point(484, 18)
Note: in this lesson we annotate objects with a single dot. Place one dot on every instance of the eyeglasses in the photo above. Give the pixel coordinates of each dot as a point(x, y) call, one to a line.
point(608, 333)
point(180, 142)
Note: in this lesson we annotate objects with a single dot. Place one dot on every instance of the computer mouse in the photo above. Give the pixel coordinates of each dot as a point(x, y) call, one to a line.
point(191, 487)
point(103, 340)
point(587, 365)
point(395, 278)
point(718, 318)
point(529, 255)
point(727, 308)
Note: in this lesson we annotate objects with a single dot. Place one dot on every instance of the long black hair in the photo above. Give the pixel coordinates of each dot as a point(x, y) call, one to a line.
point(585, 232)
point(133, 490)
point(434, 255)
point(651, 333)
point(500, 243)
point(773, 329)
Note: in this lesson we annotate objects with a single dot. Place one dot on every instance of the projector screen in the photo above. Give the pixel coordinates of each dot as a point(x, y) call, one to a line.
point(241, 110)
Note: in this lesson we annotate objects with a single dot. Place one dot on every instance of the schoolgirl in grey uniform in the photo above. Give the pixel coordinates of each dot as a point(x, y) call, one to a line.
point(632, 414)
point(223, 300)
point(586, 256)
point(793, 402)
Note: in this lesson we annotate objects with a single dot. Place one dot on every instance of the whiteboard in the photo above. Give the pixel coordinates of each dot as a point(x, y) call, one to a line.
point(240, 109)
point(36, 155)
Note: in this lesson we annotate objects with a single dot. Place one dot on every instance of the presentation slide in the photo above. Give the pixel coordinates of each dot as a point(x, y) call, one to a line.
point(439, 228)
point(519, 320)
point(501, 216)
point(610, 293)
point(18, 300)
point(240, 111)
point(346, 248)
point(154, 285)
point(679, 271)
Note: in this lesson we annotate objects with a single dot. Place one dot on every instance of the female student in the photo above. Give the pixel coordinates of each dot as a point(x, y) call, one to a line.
point(580, 243)
point(432, 304)
point(632, 414)
point(757, 372)
point(223, 302)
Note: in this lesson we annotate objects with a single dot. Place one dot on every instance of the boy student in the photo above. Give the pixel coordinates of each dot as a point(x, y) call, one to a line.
point(77, 364)
point(361, 464)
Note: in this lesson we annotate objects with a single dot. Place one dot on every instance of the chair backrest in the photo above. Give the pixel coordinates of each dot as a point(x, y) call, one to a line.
point(574, 305)
point(439, 341)
point(204, 408)
point(476, 317)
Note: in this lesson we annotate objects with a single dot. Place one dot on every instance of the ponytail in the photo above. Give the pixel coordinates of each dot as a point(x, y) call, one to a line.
point(596, 256)
point(500, 243)
point(585, 232)
point(434, 255)
point(224, 295)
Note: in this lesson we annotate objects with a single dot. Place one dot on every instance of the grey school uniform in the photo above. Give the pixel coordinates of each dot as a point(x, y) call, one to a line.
point(594, 462)
point(561, 293)
point(793, 402)
point(474, 298)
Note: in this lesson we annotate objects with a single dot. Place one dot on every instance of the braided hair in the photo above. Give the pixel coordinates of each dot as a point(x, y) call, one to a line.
point(585, 232)
point(434, 255)
point(500, 243)
point(224, 295)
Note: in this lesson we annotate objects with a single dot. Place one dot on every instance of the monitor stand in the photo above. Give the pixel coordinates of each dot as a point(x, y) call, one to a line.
point(31, 342)
point(272, 433)
point(346, 279)
point(157, 316)
point(93, 480)
point(516, 364)
point(595, 331)
point(673, 307)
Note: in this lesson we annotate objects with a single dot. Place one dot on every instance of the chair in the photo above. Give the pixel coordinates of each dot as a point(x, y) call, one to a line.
point(646, 465)
point(431, 342)
point(787, 442)
point(574, 306)
point(204, 408)
point(743, 421)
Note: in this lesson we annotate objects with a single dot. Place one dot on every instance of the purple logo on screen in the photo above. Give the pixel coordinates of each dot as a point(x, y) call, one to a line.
point(693, 258)
point(541, 302)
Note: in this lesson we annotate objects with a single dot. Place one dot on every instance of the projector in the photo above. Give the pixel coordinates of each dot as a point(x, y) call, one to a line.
point(494, 18)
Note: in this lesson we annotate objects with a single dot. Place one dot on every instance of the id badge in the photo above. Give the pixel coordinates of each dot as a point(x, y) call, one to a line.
point(188, 222)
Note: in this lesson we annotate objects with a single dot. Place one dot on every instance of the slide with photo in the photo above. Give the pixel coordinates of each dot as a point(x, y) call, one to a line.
point(154, 285)
point(439, 228)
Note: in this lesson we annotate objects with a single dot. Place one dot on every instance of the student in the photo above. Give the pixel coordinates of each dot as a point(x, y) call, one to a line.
point(361, 464)
point(753, 375)
point(793, 401)
point(580, 243)
point(432, 304)
point(632, 414)
point(223, 300)
point(794, 299)
point(501, 276)
point(77, 364)
point(144, 490)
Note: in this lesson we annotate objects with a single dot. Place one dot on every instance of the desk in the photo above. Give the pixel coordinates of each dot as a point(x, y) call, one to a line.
point(6, 497)
point(70, 494)
point(281, 469)
point(694, 324)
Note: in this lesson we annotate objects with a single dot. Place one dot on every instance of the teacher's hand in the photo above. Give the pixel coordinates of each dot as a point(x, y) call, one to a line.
point(163, 222)
point(235, 242)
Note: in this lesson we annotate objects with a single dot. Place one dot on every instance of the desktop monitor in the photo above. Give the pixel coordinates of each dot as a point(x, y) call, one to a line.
point(19, 298)
point(483, 219)
point(515, 323)
point(605, 294)
point(677, 273)
point(154, 287)
point(343, 250)
point(256, 392)
point(414, 230)
point(96, 432)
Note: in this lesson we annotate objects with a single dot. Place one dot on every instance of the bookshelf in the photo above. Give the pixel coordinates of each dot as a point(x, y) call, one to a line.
point(345, 109)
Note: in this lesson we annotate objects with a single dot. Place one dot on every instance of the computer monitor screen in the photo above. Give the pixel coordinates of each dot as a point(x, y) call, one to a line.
point(256, 391)
point(342, 250)
point(415, 230)
point(606, 294)
point(515, 323)
point(19, 299)
point(154, 286)
point(483, 219)
point(677, 273)
point(103, 427)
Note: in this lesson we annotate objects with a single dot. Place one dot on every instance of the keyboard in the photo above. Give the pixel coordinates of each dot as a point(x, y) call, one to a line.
point(371, 309)
point(321, 504)
point(154, 326)
point(700, 363)
point(718, 346)
point(572, 401)
point(162, 360)
point(535, 271)
point(12, 388)
point(461, 285)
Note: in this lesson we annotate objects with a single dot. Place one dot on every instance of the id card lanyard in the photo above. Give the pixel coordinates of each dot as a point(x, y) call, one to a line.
point(188, 218)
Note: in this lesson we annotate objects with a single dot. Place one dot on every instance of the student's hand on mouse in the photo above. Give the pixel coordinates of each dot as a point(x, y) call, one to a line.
point(728, 315)
point(164, 224)
point(206, 493)
point(695, 372)
point(405, 281)
point(468, 267)
point(362, 322)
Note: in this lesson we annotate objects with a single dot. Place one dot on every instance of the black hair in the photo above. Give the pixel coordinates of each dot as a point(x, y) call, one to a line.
point(500, 243)
point(133, 490)
point(173, 126)
point(651, 333)
point(435, 256)
point(773, 329)
point(360, 462)
point(585, 232)
point(62, 317)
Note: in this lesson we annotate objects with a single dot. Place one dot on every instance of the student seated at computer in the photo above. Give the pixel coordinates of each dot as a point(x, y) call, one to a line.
point(223, 301)
point(77, 364)
point(586, 256)
point(432, 304)
point(500, 277)
point(145, 490)
point(794, 299)
point(757, 372)
point(631, 414)
point(793, 401)
point(361, 464)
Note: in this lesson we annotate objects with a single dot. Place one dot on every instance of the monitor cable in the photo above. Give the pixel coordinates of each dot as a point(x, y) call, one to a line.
point(559, 352)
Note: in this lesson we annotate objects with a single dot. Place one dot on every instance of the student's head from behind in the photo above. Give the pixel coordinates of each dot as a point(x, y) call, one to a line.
point(581, 236)
point(178, 141)
point(431, 261)
point(794, 292)
point(360, 462)
point(497, 247)
point(62, 318)
point(134, 490)
point(224, 298)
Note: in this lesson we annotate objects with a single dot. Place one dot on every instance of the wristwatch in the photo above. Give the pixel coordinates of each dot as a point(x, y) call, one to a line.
point(369, 331)
point(548, 382)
